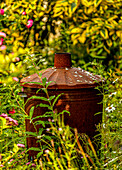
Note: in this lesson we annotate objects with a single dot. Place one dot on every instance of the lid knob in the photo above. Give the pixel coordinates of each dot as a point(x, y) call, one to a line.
point(62, 60)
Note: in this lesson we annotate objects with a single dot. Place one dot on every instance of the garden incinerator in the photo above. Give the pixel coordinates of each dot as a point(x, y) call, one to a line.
point(79, 97)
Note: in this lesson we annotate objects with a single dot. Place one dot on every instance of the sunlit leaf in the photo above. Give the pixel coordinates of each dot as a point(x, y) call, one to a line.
point(34, 149)
point(109, 42)
point(104, 33)
point(97, 2)
point(31, 111)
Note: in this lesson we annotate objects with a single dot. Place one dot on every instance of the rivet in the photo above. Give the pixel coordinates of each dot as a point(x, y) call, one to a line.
point(80, 76)
point(55, 69)
point(29, 77)
point(75, 75)
point(78, 80)
point(79, 68)
point(76, 72)
point(66, 68)
point(52, 67)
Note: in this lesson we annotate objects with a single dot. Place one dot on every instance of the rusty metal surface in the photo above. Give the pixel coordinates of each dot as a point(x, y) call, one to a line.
point(63, 75)
point(82, 105)
point(79, 96)
point(62, 60)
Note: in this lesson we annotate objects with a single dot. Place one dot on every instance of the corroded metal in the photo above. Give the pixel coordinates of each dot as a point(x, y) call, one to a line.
point(64, 77)
point(79, 97)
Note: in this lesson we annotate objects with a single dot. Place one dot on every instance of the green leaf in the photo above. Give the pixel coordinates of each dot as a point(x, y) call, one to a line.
point(49, 83)
point(44, 89)
point(3, 122)
point(56, 99)
point(40, 116)
point(37, 97)
point(39, 154)
point(104, 33)
point(48, 137)
point(97, 2)
point(73, 5)
point(16, 148)
point(45, 105)
point(42, 98)
point(96, 56)
point(40, 131)
point(109, 26)
point(65, 111)
point(31, 133)
point(100, 51)
point(34, 149)
point(32, 82)
point(40, 75)
point(44, 81)
point(51, 98)
point(31, 111)
point(40, 122)
point(109, 42)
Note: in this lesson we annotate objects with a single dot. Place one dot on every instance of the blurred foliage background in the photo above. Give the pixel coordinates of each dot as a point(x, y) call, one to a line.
point(89, 29)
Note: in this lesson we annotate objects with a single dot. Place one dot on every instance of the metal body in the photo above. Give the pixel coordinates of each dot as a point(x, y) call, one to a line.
point(79, 97)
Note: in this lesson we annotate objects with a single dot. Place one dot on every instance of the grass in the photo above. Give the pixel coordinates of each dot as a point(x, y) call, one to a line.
point(61, 147)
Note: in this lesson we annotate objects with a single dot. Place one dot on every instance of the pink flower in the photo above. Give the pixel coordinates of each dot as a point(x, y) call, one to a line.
point(15, 122)
point(22, 152)
point(1, 165)
point(1, 41)
point(15, 79)
point(12, 111)
point(9, 118)
point(11, 160)
point(2, 34)
point(28, 26)
point(30, 23)
point(28, 163)
point(23, 13)
point(4, 115)
point(33, 164)
point(20, 145)
point(17, 59)
point(2, 11)
point(12, 120)
point(3, 47)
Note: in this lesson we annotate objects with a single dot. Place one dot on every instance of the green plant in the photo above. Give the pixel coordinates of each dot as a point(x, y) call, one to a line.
point(96, 24)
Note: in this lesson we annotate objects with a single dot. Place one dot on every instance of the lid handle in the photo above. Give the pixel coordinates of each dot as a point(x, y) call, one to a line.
point(62, 60)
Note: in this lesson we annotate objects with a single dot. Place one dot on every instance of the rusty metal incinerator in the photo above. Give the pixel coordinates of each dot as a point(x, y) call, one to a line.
point(79, 97)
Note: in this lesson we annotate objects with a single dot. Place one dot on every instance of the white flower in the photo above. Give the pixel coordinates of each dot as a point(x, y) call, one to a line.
point(115, 80)
point(48, 129)
point(60, 129)
point(47, 151)
point(114, 93)
point(104, 125)
point(110, 109)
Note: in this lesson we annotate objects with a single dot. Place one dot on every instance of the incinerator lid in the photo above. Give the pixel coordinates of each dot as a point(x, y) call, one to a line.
point(63, 75)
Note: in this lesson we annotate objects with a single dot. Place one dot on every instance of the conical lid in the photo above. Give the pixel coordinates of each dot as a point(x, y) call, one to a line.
point(63, 75)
